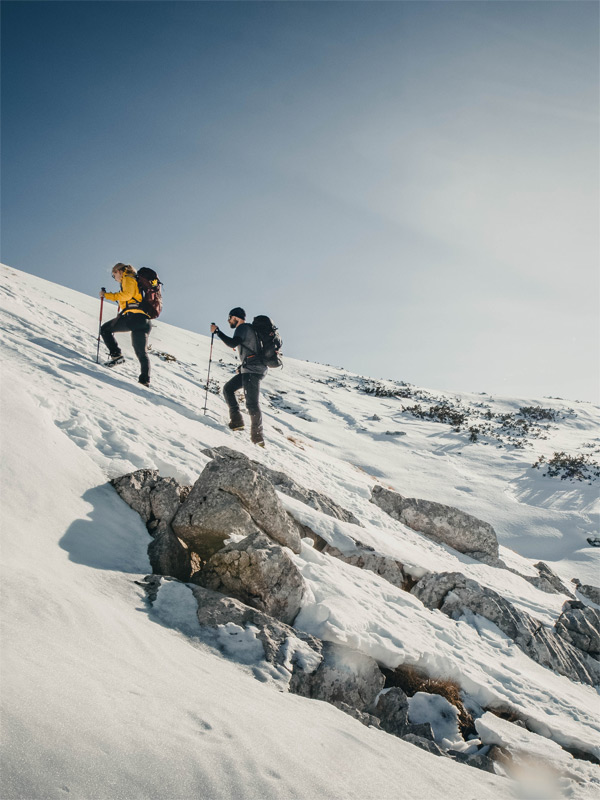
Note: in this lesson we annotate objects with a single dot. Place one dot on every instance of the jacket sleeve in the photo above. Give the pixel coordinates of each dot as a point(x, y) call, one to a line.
point(129, 287)
point(230, 341)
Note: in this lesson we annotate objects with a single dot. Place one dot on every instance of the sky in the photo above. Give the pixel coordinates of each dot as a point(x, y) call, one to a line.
point(409, 189)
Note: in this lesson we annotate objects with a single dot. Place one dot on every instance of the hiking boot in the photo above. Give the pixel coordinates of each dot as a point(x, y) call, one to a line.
point(144, 380)
point(236, 421)
point(113, 360)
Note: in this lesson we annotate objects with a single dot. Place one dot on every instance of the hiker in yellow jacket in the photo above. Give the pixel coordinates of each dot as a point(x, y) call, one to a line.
point(130, 318)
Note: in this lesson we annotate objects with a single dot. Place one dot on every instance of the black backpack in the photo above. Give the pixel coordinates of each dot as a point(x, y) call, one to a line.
point(269, 341)
point(149, 285)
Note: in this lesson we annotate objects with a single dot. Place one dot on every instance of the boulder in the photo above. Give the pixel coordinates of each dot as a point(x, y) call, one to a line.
point(547, 580)
point(443, 524)
point(286, 485)
point(588, 590)
point(344, 677)
point(283, 646)
point(425, 744)
point(232, 496)
point(258, 572)
point(453, 594)
point(579, 625)
point(392, 708)
point(365, 557)
point(156, 500)
point(135, 488)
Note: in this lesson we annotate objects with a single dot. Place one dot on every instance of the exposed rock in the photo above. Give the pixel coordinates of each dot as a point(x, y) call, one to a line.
point(156, 500)
point(580, 625)
point(258, 572)
point(425, 744)
point(344, 677)
point(587, 590)
point(286, 485)
point(283, 645)
point(453, 593)
point(443, 524)
point(547, 580)
point(365, 557)
point(233, 496)
point(392, 709)
point(367, 719)
point(135, 488)
point(170, 556)
point(478, 760)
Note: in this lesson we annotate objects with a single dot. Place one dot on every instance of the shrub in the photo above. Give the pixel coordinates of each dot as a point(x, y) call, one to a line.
point(581, 468)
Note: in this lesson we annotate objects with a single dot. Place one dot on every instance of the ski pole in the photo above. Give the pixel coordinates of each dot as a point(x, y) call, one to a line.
point(100, 328)
point(208, 376)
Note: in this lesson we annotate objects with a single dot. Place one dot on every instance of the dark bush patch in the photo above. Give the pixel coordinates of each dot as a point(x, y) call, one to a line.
point(565, 467)
point(538, 413)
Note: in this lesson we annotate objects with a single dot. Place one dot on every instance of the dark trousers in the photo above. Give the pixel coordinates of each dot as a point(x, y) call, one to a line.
point(250, 383)
point(140, 326)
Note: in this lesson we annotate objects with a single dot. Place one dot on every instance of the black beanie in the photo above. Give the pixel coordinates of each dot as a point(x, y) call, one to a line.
point(238, 312)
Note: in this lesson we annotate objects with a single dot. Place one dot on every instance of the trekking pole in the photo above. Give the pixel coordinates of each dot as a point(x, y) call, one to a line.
point(100, 328)
point(208, 376)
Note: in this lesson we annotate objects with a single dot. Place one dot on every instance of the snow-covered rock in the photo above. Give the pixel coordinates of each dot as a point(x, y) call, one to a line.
point(442, 523)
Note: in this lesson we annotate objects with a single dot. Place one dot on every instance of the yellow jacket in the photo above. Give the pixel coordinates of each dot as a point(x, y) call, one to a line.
point(129, 294)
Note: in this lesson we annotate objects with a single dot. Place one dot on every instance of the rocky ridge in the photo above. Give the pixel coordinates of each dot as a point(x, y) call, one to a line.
point(229, 539)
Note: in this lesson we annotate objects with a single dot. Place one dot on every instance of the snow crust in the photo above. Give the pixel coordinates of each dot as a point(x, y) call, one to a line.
point(104, 698)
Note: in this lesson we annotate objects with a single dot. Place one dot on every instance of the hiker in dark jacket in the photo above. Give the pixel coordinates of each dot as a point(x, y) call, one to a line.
point(130, 318)
point(248, 377)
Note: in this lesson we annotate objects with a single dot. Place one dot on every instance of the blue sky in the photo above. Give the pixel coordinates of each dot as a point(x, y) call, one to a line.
point(410, 189)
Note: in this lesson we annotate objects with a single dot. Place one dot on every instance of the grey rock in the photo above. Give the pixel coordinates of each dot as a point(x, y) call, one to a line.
point(278, 639)
point(588, 590)
point(156, 500)
point(392, 709)
point(478, 760)
point(233, 496)
point(286, 485)
point(580, 625)
point(365, 557)
point(170, 556)
point(425, 744)
point(367, 719)
point(453, 594)
point(135, 488)
point(344, 676)
point(547, 580)
point(443, 524)
point(258, 572)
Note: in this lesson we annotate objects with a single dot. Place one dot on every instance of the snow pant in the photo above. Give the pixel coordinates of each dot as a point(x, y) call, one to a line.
point(140, 326)
point(250, 383)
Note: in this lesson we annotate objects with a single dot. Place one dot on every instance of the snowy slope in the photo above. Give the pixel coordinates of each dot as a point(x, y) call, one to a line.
point(103, 699)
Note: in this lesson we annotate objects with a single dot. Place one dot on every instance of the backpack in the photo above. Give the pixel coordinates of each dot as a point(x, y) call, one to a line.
point(269, 341)
point(149, 285)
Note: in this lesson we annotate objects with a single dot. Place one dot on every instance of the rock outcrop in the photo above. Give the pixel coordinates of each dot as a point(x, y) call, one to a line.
point(286, 485)
point(344, 677)
point(579, 625)
point(258, 572)
point(157, 500)
point(443, 524)
point(365, 557)
point(547, 580)
point(588, 590)
point(232, 496)
point(283, 645)
point(453, 594)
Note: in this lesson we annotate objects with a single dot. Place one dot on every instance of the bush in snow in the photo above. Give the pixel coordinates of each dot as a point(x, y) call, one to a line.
point(565, 467)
